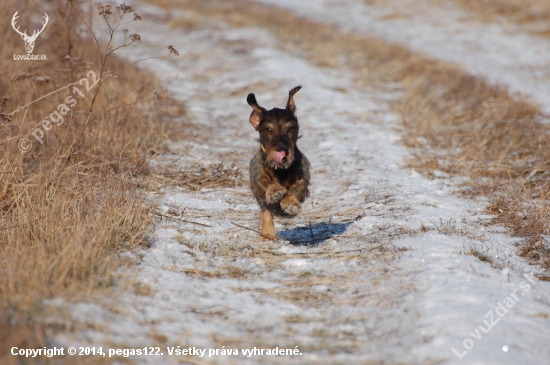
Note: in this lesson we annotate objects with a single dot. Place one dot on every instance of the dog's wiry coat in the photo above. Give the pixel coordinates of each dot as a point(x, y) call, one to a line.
point(279, 172)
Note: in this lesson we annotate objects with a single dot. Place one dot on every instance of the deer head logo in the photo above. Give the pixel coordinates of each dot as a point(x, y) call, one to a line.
point(29, 41)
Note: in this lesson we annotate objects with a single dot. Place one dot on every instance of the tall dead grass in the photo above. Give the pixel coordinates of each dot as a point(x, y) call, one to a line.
point(69, 204)
point(453, 121)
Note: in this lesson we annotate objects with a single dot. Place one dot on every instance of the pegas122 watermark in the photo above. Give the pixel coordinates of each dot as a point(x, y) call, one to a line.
point(157, 351)
point(56, 117)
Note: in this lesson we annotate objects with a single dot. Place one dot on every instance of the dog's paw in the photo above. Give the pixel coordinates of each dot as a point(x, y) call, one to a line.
point(290, 205)
point(274, 193)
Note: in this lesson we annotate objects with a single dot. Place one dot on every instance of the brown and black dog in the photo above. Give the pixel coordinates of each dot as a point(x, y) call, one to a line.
point(279, 172)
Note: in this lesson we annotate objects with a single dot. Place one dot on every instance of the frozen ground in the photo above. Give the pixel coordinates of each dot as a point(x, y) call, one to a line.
point(502, 53)
point(387, 278)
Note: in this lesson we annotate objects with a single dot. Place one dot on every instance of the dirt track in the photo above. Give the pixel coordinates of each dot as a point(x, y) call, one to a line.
point(386, 279)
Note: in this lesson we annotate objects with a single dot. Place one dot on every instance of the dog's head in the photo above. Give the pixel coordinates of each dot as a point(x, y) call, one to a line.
point(278, 131)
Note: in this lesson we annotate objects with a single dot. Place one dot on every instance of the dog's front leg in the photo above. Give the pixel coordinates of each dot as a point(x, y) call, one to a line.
point(296, 194)
point(265, 186)
point(274, 193)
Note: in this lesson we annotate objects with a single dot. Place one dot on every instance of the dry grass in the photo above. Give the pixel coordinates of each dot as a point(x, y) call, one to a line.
point(481, 256)
point(533, 16)
point(70, 204)
point(526, 218)
point(205, 176)
point(518, 11)
point(454, 122)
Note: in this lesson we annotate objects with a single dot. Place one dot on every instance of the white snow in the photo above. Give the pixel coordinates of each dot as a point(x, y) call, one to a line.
point(410, 306)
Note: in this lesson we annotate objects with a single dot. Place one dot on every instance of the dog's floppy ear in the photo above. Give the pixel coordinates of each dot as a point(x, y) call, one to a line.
point(290, 106)
point(257, 113)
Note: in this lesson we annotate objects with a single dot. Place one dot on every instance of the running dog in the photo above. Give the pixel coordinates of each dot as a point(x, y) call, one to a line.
point(279, 172)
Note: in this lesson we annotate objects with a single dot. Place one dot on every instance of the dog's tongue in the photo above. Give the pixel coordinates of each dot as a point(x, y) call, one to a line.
point(279, 156)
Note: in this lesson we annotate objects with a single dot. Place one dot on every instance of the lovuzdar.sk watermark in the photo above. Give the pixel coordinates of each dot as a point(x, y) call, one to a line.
point(29, 40)
point(491, 321)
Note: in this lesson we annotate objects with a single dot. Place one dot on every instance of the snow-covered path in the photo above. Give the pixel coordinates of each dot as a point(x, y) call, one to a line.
point(388, 280)
point(506, 55)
